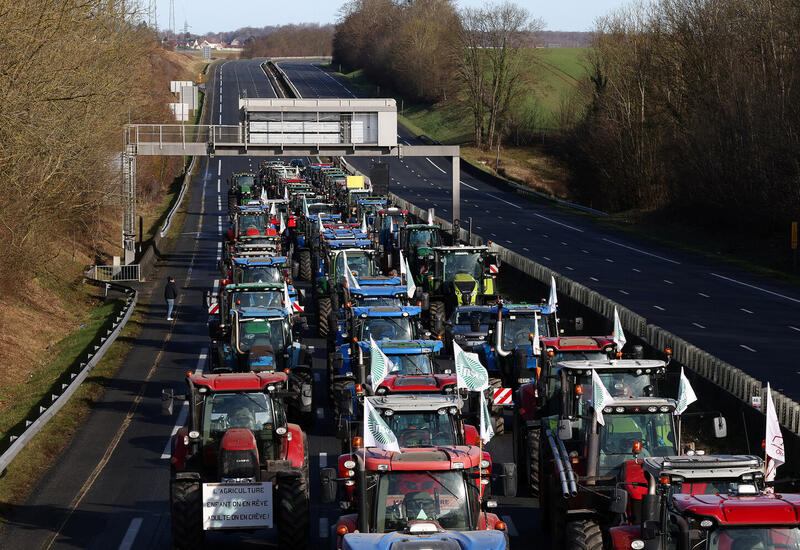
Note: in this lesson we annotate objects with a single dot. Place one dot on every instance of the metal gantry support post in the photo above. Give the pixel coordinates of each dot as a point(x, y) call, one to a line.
point(129, 203)
point(456, 188)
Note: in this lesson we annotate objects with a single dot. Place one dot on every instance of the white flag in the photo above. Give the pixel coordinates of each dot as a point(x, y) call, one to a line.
point(264, 194)
point(283, 225)
point(403, 272)
point(537, 344)
point(470, 374)
point(600, 397)
point(287, 300)
point(364, 223)
point(487, 432)
point(272, 210)
point(552, 300)
point(376, 432)
point(320, 227)
point(411, 287)
point(618, 335)
point(286, 193)
point(431, 217)
point(379, 365)
point(773, 440)
point(348, 275)
point(686, 395)
point(305, 206)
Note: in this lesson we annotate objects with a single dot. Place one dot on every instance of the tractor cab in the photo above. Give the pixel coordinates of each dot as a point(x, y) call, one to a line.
point(242, 189)
point(413, 368)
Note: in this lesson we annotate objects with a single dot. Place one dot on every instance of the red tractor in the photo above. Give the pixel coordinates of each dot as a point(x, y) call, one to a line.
point(439, 487)
point(238, 464)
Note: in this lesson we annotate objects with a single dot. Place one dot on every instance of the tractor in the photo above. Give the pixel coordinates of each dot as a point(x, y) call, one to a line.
point(238, 464)
point(242, 189)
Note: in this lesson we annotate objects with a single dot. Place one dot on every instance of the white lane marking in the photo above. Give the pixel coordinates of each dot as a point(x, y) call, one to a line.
point(316, 377)
point(704, 295)
point(130, 534)
point(220, 107)
point(320, 412)
point(698, 325)
point(757, 288)
point(559, 223)
point(184, 414)
point(564, 243)
point(440, 170)
point(525, 249)
point(545, 235)
point(505, 201)
point(220, 119)
point(625, 292)
point(545, 257)
point(595, 279)
point(216, 285)
point(748, 348)
point(642, 252)
point(637, 270)
point(794, 328)
point(323, 460)
point(609, 260)
point(219, 168)
point(659, 308)
point(668, 282)
point(512, 529)
point(570, 268)
point(323, 528)
point(745, 310)
point(218, 183)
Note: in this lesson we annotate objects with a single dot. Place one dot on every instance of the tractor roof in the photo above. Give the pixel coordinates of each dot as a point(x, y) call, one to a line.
point(338, 242)
point(260, 261)
point(646, 366)
point(461, 248)
point(640, 405)
point(255, 312)
point(730, 510)
point(419, 382)
point(577, 343)
point(410, 402)
point(426, 537)
point(704, 467)
point(387, 311)
point(252, 209)
point(253, 287)
point(379, 291)
point(451, 457)
point(240, 381)
point(410, 347)
point(523, 309)
point(421, 226)
point(380, 280)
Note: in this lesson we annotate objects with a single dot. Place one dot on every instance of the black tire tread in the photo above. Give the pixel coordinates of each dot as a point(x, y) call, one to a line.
point(186, 511)
point(323, 316)
point(583, 535)
point(533, 439)
point(305, 265)
point(292, 517)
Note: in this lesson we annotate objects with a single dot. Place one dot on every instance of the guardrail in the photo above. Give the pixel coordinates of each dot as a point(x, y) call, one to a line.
point(116, 273)
point(69, 381)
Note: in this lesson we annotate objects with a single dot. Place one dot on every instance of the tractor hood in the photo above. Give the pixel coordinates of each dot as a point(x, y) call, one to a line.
point(776, 509)
point(443, 540)
point(419, 383)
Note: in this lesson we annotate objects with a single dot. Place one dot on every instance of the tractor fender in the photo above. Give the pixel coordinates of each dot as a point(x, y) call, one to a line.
point(348, 520)
point(488, 456)
point(527, 400)
point(179, 450)
point(488, 521)
point(295, 449)
point(635, 484)
point(623, 535)
point(471, 436)
point(305, 384)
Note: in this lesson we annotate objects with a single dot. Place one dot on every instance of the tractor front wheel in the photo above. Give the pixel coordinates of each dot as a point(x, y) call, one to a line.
point(305, 265)
point(583, 535)
point(437, 318)
point(293, 520)
point(323, 316)
point(186, 511)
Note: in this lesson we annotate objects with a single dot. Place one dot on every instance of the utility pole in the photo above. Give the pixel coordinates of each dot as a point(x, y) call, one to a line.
point(172, 17)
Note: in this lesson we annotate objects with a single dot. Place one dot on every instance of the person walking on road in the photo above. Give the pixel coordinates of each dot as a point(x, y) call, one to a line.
point(170, 293)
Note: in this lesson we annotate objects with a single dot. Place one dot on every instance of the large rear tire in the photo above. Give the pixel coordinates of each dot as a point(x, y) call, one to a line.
point(186, 511)
point(292, 517)
point(532, 459)
point(437, 318)
point(305, 265)
point(323, 316)
point(583, 535)
point(496, 412)
point(304, 418)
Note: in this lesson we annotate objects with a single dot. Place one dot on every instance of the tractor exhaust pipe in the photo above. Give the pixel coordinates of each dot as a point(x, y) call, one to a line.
point(498, 338)
point(593, 452)
point(573, 487)
point(559, 463)
point(363, 520)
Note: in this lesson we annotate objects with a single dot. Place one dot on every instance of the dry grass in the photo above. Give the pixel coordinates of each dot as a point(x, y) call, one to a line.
point(528, 166)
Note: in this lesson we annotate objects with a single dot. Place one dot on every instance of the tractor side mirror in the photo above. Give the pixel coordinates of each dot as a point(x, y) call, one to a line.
point(509, 477)
point(207, 298)
point(619, 501)
point(564, 429)
point(167, 401)
point(327, 479)
point(578, 324)
point(720, 427)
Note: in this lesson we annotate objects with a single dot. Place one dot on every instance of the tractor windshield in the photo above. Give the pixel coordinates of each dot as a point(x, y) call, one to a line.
point(249, 410)
point(245, 181)
point(261, 275)
point(359, 262)
point(319, 208)
point(411, 364)
point(621, 431)
point(252, 224)
point(517, 329)
point(754, 538)
point(408, 496)
point(421, 429)
point(375, 301)
point(465, 263)
point(423, 238)
point(386, 328)
point(262, 299)
point(619, 384)
point(578, 355)
point(466, 317)
point(264, 334)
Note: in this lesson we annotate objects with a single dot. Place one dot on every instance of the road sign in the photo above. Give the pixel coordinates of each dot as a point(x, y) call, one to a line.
point(237, 505)
point(502, 396)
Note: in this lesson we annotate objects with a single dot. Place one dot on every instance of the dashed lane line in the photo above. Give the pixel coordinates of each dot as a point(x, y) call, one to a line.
point(642, 252)
point(130, 534)
point(795, 300)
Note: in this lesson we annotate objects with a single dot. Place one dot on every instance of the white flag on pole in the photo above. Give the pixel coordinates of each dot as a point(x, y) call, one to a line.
point(379, 365)
point(618, 335)
point(283, 225)
point(376, 432)
point(305, 206)
point(487, 432)
point(287, 300)
point(470, 374)
point(552, 300)
point(411, 286)
point(774, 449)
point(431, 218)
point(264, 195)
point(348, 275)
point(364, 223)
point(536, 344)
point(600, 397)
point(686, 395)
point(320, 227)
point(272, 210)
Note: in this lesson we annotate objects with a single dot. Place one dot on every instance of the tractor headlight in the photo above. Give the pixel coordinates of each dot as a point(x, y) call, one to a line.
point(381, 390)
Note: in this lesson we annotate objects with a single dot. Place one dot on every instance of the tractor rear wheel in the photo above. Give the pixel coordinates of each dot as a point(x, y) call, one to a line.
point(305, 265)
point(532, 459)
point(295, 270)
point(186, 511)
point(323, 316)
point(583, 535)
point(292, 517)
point(437, 318)
point(298, 380)
point(496, 411)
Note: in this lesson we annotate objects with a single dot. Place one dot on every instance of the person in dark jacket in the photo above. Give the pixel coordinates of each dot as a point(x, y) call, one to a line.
point(170, 293)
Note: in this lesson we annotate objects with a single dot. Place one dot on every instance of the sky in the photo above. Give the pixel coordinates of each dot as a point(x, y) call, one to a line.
point(206, 16)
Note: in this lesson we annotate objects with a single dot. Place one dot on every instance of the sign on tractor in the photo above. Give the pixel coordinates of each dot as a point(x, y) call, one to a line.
point(237, 505)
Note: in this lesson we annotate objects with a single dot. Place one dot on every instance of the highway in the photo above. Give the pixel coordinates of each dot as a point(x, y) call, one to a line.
point(747, 320)
point(109, 488)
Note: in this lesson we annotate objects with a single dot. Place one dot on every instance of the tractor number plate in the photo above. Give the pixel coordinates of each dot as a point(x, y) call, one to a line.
point(237, 505)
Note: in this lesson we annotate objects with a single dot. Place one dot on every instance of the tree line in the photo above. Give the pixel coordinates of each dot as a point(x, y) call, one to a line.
point(696, 106)
point(73, 71)
point(292, 41)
